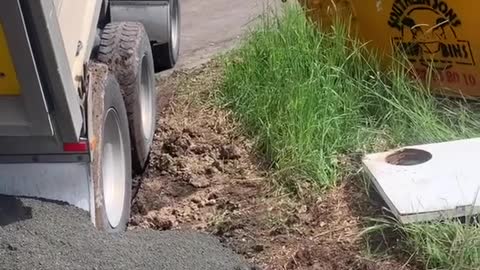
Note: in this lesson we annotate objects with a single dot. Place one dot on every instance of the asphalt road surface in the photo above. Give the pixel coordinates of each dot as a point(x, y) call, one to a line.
point(210, 27)
point(44, 235)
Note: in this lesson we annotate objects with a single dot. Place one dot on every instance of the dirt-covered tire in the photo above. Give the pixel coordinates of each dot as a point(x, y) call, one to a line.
point(125, 48)
point(111, 166)
point(166, 54)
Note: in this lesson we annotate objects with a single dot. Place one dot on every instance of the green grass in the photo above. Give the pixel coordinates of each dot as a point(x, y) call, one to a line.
point(312, 98)
point(452, 245)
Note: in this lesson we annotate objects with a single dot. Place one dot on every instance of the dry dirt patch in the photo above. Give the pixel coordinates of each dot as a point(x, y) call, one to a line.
point(204, 175)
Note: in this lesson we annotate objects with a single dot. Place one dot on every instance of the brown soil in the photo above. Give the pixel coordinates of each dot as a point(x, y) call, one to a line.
point(203, 175)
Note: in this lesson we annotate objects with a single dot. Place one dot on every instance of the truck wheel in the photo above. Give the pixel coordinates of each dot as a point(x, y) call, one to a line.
point(125, 48)
point(111, 169)
point(166, 54)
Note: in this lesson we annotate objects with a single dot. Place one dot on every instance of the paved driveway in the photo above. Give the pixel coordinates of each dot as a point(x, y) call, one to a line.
point(213, 26)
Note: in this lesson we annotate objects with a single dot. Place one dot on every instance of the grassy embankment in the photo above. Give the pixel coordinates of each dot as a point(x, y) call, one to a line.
point(311, 99)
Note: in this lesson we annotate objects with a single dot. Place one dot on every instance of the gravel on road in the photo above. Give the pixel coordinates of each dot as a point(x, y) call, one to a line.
point(44, 235)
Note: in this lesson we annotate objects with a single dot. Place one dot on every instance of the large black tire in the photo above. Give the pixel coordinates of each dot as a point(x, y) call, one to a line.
point(125, 48)
point(166, 54)
point(111, 166)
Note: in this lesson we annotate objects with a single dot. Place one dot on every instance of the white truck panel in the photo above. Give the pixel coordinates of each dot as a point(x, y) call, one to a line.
point(78, 23)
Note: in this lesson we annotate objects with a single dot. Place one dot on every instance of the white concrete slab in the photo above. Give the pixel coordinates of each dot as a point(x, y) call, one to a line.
point(446, 186)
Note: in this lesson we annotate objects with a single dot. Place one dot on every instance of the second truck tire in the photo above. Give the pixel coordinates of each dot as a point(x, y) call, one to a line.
point(125, 49)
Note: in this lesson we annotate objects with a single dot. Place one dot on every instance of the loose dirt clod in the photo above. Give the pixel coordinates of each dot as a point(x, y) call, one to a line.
point(199, 182)
point(203, 176)
point(229, 152)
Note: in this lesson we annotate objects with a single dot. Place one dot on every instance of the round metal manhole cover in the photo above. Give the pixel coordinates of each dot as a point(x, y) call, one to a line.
point(409, 157)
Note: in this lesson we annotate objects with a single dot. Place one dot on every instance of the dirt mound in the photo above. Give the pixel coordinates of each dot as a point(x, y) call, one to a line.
point(196, 160)
point(203, 175)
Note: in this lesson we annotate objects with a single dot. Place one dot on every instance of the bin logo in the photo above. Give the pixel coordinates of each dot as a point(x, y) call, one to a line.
point(428, 33)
